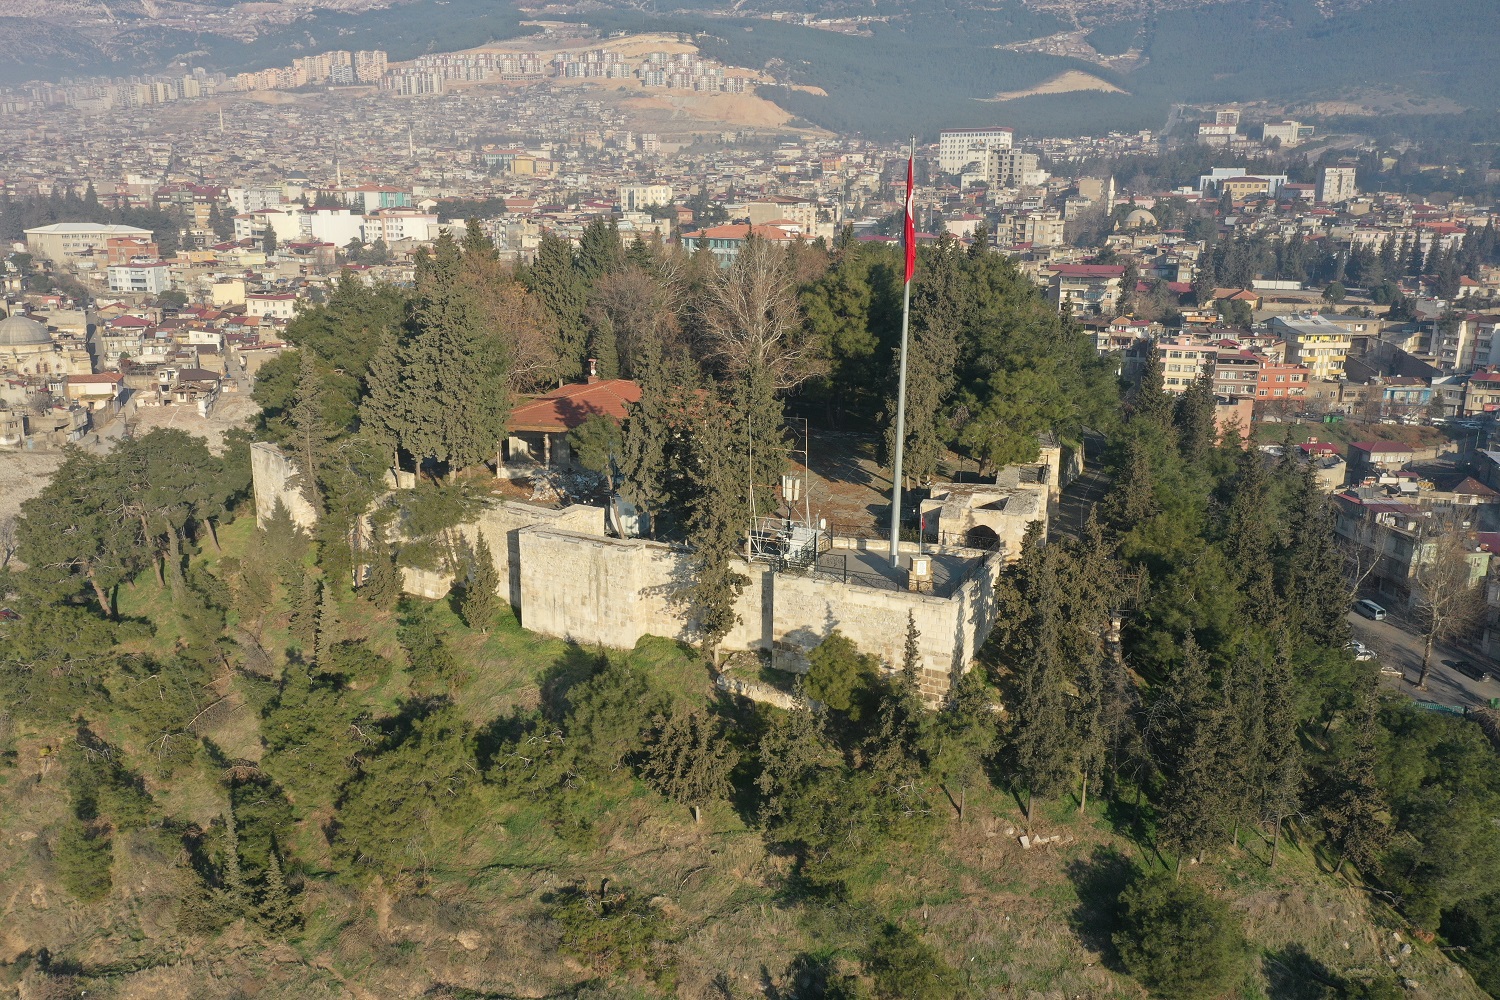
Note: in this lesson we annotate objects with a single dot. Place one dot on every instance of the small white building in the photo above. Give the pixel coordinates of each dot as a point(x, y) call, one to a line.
point(275, 305)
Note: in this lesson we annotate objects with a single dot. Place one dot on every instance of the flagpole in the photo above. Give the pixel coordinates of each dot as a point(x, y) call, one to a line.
point(901, 378)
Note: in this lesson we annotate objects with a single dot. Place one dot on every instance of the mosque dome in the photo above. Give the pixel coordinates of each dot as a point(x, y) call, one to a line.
point(22, 331)
point(1139, 218)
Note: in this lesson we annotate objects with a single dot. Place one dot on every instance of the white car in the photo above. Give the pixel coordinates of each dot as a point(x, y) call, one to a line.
point(1361, 652)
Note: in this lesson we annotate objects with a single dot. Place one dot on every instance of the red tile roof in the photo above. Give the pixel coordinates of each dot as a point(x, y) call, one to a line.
point(563, 409)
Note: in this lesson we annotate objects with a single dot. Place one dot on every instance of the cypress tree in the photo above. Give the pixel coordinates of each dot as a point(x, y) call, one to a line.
point(555, 279)
point(1192, 801)
point(481, 597)
point(648, 436)
point(717, 527)
point(1149, 401)
point(911, 653)
point(1250, 537)
point(1194, 419)
point(1354, 805)
point(1281, 774)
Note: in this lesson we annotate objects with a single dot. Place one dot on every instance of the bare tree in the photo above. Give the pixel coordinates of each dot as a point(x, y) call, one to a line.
point(1445, 586)
point(752, 320)
point(523, 323)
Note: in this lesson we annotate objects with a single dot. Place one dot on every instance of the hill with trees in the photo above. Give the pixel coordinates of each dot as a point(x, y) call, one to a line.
point(236, 760)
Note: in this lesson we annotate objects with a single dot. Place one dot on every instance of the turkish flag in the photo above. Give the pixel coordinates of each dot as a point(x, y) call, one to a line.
point(911, 226)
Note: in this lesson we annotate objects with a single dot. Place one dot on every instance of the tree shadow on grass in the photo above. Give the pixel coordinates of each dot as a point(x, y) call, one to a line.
point(574, 666)
point(1099, 880)
point(1293, 974)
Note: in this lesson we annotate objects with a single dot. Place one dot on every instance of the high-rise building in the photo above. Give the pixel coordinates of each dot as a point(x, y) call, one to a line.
point(1336, 185)
point(957, 148)
point(1010, 168)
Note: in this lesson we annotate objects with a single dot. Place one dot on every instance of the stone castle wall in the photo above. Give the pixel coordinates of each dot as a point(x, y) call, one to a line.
point(566, 578)
point(274, 477)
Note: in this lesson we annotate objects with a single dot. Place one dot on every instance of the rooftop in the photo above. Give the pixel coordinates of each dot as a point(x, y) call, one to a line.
point(564, 408)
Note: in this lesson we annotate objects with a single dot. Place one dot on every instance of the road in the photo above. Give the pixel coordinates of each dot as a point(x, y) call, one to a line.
point(1394, 647)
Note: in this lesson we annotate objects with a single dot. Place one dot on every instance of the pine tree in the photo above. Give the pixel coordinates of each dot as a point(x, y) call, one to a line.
point(600, 250)
point(476, 244)
point(964, 734)
point(231, 894)
point(689, 761)
point(382, 584)
point(1250, 537)
point(307, 607)
point(648, 435)
point(277, 910)
point(1132, 499)
point(481, 597)
point(938, 298)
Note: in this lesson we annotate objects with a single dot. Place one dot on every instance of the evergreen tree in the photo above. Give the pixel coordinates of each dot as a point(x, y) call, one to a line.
point(277, 910)
point(963, 736)
point(717, 525)
point(309, 734)
point(600, 250)
point(1250, 537)
point(688, 760)
point(556, 280)
point(1178, 940)
point(938, 298)
point(1197, 433)
point(481, 597)
point(911, 653)
point(311, 432)
point(382, 583)
point(1149, 401)
point(1192, 800)
point(1132, 499)
point(1281, 770)
point(476, 244)
point(1044, 756)
point(1354, 806)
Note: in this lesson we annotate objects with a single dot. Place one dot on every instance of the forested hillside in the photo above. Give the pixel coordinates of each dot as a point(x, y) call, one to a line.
point(232, 763)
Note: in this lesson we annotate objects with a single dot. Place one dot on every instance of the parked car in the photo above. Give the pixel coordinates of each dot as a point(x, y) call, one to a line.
point(1361, 652)
point(1469, 669)
point(1370, 610)
point(1392, 669)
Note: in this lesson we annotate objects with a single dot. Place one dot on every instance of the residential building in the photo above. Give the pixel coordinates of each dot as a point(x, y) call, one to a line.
point(1279, 382)
point(960, 147)
point(1386, 455)
point(142, 278)
point(1183, 363)
point(639, 197)
point(537, 432)
point(1236, 372)
point(1336, 185)
point(277, 306)
point(780, 209)
point(62, 240)
point(1086, 287)
point(1482, 392)
point(1011, 168)
point(1314, 342)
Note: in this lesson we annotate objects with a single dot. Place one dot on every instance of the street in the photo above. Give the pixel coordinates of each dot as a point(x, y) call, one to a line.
point(1394, 647)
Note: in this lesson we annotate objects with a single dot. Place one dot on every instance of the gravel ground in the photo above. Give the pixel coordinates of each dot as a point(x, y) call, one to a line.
point(22, 476)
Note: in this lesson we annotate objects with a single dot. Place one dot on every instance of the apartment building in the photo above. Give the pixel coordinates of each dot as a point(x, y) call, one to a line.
point(1315, 342)
point(142, 278)
point(1086, 287)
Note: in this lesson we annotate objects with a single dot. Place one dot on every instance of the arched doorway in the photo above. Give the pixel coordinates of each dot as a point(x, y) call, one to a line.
point(981, 537)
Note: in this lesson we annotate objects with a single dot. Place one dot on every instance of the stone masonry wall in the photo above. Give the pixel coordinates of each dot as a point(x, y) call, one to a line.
point(272, 473)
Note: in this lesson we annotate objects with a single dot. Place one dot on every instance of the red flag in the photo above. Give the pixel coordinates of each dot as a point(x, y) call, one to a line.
point(911, 226)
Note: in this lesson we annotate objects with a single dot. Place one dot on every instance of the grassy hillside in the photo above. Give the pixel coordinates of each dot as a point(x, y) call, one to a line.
point(484, 920)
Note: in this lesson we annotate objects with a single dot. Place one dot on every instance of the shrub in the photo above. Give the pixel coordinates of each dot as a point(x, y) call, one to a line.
point(1179, 941)
point(902, 965)
point(615, 930)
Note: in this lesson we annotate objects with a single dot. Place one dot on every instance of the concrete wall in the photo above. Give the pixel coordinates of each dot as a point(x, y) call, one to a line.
point(272, 473)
